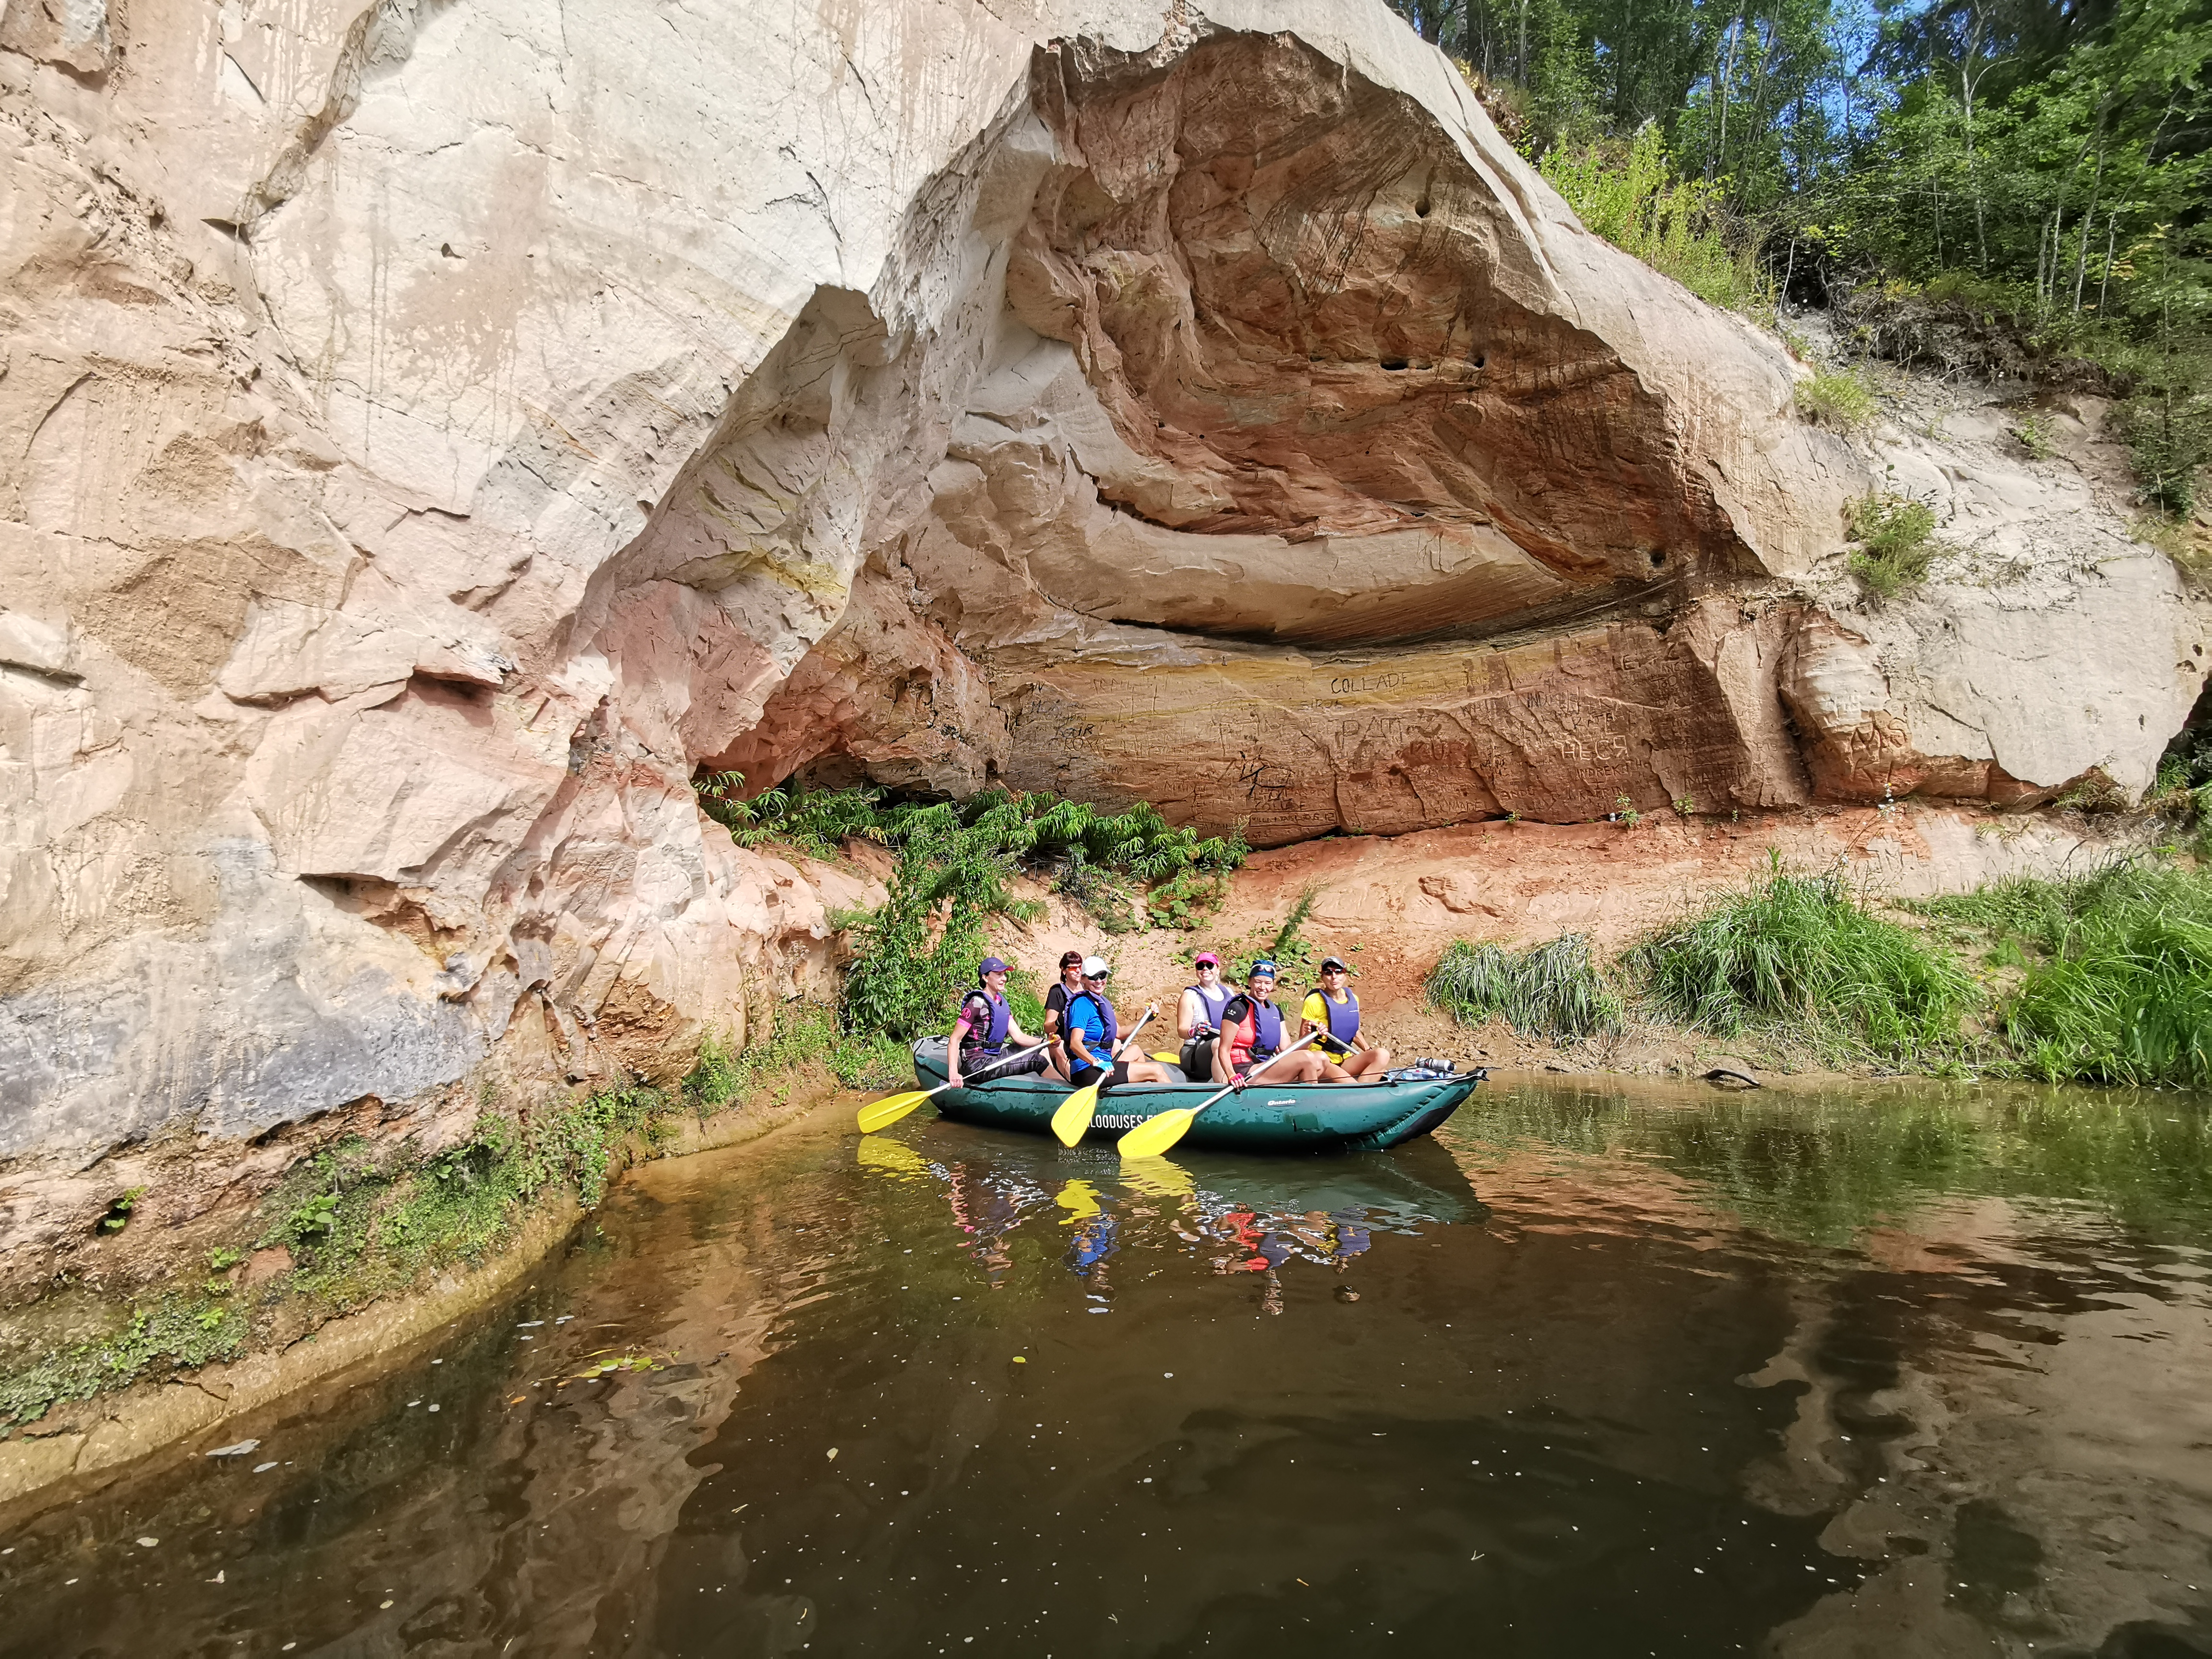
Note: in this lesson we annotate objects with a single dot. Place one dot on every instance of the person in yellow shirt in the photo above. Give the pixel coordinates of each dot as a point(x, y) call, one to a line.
point(1333, 1012)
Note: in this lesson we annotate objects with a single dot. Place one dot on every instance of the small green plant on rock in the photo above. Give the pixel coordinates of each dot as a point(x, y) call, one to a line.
point(1893, 535)
point(2034, 436)
point(1837, 397)
point(118, 1212)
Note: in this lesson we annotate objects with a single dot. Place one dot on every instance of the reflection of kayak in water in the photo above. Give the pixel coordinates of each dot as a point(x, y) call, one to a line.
point(1310, 1117)
point(1393, 1192)
point(1264, 1213)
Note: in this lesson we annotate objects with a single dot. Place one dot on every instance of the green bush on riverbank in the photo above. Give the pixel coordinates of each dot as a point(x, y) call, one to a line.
point(1554, 989)
point(2118, 980)
point(2105, 979)
point(916, 952)
point(1797, 953)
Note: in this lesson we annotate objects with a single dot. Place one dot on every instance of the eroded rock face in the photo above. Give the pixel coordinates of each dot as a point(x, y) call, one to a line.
point(430, 434)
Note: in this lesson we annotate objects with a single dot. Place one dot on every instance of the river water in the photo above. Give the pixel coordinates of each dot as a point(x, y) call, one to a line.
point(1604, 1369)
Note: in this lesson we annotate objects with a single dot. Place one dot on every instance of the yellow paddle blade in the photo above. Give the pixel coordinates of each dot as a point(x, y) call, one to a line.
point(1082, 1198)
point(1166, 1059)
point(1072, 1120)
point(876, 1113)
point(1156, 1134)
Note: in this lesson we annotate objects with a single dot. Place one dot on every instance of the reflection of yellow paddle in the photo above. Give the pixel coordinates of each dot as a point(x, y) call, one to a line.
point(1079, 1196)
point(1158, 1177)
point(1072, 1120)
point(892, 1158)
point(880, 1113)
point(1159, 1132)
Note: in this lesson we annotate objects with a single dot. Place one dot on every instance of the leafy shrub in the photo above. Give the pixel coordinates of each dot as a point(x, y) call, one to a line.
point(817, 822)
point(916, 953)
point(1552, 990)
point(1893, 534)
point(1838, 398)
point(1629, 194)
point(1795, 954)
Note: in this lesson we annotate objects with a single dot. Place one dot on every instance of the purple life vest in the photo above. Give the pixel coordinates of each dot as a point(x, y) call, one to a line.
point(1213, 1001)
point(996, 1018)
point(1102, 1052)
point(1343, 1018)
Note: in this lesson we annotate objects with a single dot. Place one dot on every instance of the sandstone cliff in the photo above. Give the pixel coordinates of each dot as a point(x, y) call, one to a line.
point(431, 430)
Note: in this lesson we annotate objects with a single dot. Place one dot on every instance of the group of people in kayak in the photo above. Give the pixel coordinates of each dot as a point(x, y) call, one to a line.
point(1227, 1032)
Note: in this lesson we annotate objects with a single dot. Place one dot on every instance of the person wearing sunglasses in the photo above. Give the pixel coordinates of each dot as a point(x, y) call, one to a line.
point(1055, 1008)
point(978, 1040)
point(1093, 1030)
point(1333, 1011)
point(1198, 1016)
point(1252, 1029)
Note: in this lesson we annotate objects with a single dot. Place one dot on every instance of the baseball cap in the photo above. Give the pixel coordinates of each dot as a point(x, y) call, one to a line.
point(1096, 967)
point(1263, 966)
point(992, 965)
point(1335, 965)
point(1205, 959)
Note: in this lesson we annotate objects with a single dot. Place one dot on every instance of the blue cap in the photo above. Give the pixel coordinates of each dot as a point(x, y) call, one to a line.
point(1263, 966)
point(992, 965)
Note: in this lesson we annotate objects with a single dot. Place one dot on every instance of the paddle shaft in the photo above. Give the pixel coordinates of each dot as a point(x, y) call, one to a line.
point(1310, 1036)
point(1168, 1127)
point(962, 1083)
point(1123, 1047)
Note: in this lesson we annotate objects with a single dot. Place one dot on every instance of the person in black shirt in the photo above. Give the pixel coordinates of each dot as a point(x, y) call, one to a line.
point(1056, 1004)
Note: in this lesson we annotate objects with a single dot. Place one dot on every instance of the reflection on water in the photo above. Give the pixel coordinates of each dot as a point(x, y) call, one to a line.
point(1602, 1369)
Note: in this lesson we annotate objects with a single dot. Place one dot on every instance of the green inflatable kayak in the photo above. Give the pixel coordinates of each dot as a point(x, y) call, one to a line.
point(1310, 1117)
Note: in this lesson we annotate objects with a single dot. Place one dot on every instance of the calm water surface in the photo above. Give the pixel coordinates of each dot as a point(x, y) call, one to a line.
point(1601, 1371)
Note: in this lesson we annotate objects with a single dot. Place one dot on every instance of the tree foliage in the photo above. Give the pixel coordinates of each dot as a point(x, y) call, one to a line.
point(2049, 162)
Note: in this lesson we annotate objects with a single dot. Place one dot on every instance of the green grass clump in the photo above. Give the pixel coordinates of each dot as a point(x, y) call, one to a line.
point(2119, 988)
point(1839, 398)
point(1681, 228)
point(1893, 534)
point(1795, 955)
point(1552, 990)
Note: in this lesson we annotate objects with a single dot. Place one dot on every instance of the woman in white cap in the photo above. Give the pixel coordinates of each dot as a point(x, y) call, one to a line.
point(978, 1039)
point(1090, 1029)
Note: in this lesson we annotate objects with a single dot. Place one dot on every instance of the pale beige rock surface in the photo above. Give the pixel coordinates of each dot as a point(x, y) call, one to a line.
point(430, 432)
